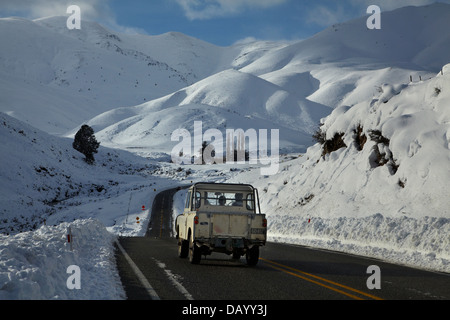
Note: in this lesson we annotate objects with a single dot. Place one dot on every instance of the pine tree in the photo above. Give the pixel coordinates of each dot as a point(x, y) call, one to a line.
point(86, 143)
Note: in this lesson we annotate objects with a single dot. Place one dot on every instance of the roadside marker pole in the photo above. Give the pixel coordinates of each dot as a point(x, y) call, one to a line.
point(129, 201)
point(69, 237)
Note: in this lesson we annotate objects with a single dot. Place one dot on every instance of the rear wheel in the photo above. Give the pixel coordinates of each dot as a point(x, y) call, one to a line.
point(252, 256)
point(236, 255)
point(183, 248)
point(194, 252)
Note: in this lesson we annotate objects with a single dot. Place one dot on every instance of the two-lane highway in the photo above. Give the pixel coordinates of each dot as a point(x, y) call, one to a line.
point(284, 272)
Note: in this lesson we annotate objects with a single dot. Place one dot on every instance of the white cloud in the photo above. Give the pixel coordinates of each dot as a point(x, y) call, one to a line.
point(93, 10)
point(387, 5)
point(325, 16)
point(208, 9)
point(90, 9)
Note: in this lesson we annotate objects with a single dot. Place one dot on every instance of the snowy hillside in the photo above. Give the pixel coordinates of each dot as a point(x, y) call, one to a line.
point(379, 187)
point(42, 175)
point(227, 100)
point(347, 62)
point(47, 187)
point(410, 37)
point(293, 86)
point(70, 76)
point(45, 181)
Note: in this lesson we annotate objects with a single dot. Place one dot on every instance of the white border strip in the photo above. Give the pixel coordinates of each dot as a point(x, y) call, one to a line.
point(139, 274)
point(173, 279)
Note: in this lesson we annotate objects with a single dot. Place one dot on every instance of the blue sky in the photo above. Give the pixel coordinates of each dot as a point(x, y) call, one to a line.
point(283, 20)
point(222, 22)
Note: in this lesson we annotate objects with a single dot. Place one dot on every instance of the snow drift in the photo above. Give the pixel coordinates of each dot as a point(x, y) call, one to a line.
point(35, 263)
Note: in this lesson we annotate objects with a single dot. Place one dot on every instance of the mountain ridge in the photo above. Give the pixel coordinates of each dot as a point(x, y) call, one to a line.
point(98, 70)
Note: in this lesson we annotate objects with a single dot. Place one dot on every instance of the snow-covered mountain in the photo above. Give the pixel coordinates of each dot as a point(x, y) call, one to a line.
point(410, 37)
point(227, 100)
point(55, 78)
point(291, 87)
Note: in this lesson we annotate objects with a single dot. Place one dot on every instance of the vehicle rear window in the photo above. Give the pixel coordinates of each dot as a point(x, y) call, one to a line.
point(235, 199)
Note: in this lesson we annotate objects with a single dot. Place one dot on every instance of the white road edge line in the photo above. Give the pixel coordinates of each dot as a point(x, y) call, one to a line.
point(173, 279)
point(139, 274)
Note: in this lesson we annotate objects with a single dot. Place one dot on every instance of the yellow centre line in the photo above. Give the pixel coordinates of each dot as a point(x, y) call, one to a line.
point(297, 273)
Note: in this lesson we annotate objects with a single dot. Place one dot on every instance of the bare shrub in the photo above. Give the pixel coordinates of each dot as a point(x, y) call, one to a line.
point(360, 137)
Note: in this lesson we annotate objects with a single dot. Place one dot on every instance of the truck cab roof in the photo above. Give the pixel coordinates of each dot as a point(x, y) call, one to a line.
point(227, 187)
point(224, 197)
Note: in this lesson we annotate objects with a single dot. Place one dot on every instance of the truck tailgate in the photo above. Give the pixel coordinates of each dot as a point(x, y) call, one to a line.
point(236, 225)
point(224, 225)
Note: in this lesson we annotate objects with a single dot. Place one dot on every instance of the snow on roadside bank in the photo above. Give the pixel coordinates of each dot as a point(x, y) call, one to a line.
point(383, 192)
point(34, 264)
point(422, 243)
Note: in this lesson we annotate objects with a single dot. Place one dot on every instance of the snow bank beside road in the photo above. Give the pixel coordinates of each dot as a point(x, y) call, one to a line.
point(422, 243)
point(33, 265)
point(382, 191)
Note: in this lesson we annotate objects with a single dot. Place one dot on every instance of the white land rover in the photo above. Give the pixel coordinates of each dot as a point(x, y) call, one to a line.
point(221, 217)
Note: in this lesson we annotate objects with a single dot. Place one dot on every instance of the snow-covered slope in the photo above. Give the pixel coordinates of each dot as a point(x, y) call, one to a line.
point(291, 87)
point(55, 78)
point(384, 193)
point(46, 188)
point(347, 61)
point(42, 174)
point(409, 37)
point(228, 100)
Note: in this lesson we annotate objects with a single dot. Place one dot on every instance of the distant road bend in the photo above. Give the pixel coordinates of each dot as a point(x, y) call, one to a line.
point(150, 268)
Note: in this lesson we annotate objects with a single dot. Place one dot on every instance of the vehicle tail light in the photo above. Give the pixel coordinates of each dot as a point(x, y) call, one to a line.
point(264, 223)
point(196, 220)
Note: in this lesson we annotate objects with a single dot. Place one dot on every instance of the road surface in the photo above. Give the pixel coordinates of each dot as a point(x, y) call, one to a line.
point(150, 269)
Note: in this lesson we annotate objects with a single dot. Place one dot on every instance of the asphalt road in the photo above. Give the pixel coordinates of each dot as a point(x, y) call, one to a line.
point(284, 272)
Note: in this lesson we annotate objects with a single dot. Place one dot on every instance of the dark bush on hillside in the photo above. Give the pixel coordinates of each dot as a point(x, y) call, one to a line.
point(360, 137)
point(86, 143)
point(319, 136)
point(329, 145)
point(334, 144)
